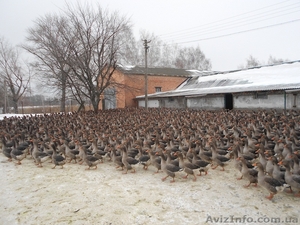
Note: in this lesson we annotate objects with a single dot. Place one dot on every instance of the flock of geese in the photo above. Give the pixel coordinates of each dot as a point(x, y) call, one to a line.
point(264, 146)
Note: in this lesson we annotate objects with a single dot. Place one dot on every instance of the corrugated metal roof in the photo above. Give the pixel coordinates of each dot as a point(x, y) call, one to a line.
point(285, 76)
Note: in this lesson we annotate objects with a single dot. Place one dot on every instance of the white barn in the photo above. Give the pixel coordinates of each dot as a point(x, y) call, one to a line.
point(262, 87)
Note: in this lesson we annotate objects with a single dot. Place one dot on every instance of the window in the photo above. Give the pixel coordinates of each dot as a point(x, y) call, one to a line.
point(261, 95)
point(110, 101)
point(157, 89)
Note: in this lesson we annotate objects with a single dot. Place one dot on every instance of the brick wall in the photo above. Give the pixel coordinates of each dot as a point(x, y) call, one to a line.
point(137, 84)
point(130, 86)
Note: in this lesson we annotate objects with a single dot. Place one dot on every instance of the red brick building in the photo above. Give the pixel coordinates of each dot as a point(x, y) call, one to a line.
point(129, 82)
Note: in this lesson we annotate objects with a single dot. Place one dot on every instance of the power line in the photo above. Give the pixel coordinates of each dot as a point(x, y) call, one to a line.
point(208, 24)
point(214, 30)
point(239, 32)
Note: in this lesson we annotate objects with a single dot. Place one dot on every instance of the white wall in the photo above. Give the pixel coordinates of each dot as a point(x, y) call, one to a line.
point(141, 103)
point(293, 100)
point(207, 102)
point(274, 101)
point(151, 103)
point(173, 102)
point(249, 101)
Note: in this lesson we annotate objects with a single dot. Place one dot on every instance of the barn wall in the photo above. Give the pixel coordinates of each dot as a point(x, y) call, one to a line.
point(152, 103)
point(173, 102)
point(249, 101)
point(293, 100)
point(206, 102)
point(272, 101)
point(244, 101)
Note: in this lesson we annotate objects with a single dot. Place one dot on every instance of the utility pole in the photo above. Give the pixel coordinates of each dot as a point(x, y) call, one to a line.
point(146, 72)
point(5, 97)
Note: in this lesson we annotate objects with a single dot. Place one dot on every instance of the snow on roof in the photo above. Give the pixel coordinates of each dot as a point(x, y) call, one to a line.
point(284, 76)
point(126, 67)
point(160, 71)
point(202, 72)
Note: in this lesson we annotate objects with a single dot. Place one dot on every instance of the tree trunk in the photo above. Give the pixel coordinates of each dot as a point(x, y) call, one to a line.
point(95, 100)
point(81, 107)
point(63, 101)
point(63, 92)
point(15, 105)
point(95, 106)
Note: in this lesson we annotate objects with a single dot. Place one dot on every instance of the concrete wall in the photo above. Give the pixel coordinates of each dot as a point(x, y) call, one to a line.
point(240, 101)
point(293, 100)
point(273, 101)
point(173, 102)
point(152, 103)
point(206, 102)
point(248, 101)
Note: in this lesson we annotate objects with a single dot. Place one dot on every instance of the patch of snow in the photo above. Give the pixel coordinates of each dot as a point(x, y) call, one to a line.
point(201, 72)
point(127, 67)
point(11, 115)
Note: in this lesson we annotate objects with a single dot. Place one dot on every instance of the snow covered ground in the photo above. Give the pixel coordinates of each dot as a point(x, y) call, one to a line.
point(73, 195)
point(10, 115)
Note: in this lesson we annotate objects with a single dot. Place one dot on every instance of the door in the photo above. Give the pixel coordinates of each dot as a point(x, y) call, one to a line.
point(110, 101)
point(228, 98)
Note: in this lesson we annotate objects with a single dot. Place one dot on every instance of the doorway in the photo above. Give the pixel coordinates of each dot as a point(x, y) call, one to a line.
point(110, 101)
point(228, 98)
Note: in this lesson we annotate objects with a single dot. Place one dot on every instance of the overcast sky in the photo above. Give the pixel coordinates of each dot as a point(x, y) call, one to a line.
point(227, 31)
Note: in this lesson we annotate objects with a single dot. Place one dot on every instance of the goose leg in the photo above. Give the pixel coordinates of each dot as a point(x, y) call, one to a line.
point(290, 191)
point(195, 178)
point(164, 178)
point(270, 196)
point(247, 185)
point(297, 195)
point(215, 167)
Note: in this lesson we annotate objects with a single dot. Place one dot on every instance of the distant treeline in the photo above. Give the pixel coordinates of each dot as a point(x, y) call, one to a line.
point(40, 104)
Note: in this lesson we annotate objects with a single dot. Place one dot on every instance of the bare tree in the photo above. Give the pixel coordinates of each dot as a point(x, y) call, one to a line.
point(128, 53)
point(169, 52)
point(13, 73)
point(154, 54)
point(253, 62)
point(2, 95)
point(95, 42)
point(170, 55)
point(250, 62)
point(192, 58)
point(273, 60)
point(77, 51)
point(46, 43)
